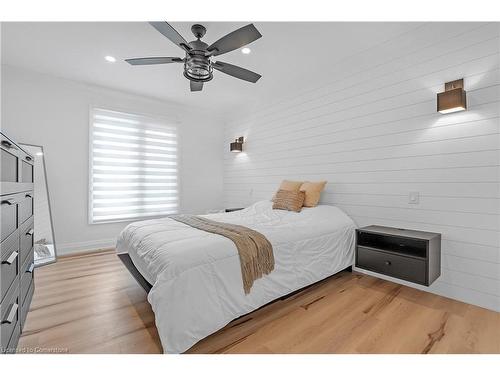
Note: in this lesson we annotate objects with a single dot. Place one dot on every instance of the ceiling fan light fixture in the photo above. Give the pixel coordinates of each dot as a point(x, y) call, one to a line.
point(198, 68)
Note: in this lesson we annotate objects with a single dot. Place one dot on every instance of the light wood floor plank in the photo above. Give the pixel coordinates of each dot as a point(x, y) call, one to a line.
point(90, 304)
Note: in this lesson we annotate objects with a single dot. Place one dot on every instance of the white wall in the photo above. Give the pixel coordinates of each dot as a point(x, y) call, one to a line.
point(53, 112)
point(371, 129)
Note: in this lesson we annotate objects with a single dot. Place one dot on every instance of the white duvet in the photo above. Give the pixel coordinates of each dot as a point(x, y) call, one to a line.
point(196, 276)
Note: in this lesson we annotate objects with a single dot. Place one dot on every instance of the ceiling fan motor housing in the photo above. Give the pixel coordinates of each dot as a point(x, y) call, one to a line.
point(198, 30)
point(197, 66)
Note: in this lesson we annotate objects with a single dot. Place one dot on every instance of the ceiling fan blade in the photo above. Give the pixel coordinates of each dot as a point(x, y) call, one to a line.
point(237, 39)
point(154, 60)
point(236, 71)
point(196, 86)
point(168, 31)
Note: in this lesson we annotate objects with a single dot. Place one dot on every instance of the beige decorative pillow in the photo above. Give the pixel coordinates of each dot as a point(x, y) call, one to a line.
point(313, 192)
point(290, 185)
point(289, 200)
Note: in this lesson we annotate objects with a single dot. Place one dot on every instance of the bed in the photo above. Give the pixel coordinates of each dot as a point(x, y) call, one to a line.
point(194, 276)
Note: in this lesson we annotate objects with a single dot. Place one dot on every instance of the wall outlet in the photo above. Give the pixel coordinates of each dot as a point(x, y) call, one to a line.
point(414, 197)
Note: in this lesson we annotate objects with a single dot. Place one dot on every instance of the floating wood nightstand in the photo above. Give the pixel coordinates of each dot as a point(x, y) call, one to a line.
point(409, 255)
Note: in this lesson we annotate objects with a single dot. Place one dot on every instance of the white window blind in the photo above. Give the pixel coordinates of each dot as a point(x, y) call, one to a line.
point(133, 167)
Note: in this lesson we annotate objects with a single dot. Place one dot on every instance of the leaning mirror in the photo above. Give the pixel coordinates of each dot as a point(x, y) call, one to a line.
point(45, 244)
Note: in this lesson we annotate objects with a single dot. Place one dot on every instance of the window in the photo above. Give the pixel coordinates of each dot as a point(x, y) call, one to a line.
point(133, 167)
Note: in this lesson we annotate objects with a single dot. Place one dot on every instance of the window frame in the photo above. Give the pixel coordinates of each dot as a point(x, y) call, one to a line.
point(171, 121)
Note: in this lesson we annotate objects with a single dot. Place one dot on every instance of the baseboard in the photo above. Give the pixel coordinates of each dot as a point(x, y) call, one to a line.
point(71, 248)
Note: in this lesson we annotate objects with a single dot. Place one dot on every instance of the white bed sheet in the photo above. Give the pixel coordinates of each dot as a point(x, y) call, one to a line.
point(196, 276)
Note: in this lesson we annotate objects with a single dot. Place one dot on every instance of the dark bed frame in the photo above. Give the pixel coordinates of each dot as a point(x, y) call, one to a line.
point(125, 258)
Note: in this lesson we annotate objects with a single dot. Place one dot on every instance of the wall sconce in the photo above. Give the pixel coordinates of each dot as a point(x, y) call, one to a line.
point(237, 145)
point(453, 99)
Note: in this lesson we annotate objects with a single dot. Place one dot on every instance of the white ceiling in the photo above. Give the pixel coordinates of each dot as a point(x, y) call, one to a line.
point(289, 55)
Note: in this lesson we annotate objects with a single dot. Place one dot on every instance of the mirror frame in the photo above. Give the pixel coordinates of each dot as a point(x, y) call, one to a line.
point(48, 202)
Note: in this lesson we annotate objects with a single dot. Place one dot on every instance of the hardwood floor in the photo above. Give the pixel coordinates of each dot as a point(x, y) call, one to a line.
point(90, 304)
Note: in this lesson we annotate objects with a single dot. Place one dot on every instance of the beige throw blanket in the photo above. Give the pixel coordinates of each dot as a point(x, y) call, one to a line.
point(255, 251)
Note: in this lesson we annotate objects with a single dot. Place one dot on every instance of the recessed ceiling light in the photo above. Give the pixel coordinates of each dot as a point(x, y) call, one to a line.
point(246, 50)
point(109, 59)
point(39, 153)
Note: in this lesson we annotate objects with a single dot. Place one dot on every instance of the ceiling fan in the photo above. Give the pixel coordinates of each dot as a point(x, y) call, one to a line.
point(198, 66)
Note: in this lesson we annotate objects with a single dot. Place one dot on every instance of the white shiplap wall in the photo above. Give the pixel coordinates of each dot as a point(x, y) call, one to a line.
point(372, 130)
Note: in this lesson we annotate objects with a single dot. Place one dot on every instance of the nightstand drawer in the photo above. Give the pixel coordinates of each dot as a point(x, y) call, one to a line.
point(402, 267)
